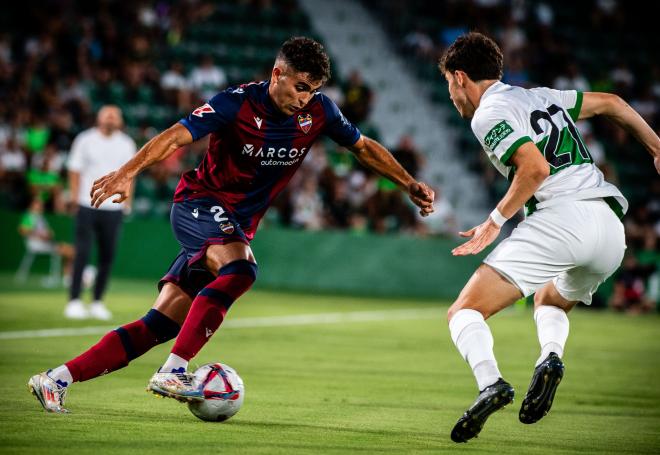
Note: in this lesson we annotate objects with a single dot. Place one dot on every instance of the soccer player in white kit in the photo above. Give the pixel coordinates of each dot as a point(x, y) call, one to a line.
point(572, 238)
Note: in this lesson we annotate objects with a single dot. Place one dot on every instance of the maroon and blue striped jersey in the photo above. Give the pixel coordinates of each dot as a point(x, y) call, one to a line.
point(254, 149)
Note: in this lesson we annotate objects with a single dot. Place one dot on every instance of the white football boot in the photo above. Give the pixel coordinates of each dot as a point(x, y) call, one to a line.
point(180, 385)
point(50, 394)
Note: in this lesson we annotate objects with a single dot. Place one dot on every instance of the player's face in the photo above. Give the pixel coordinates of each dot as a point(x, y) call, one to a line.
point(291, 90)
point(458, 96)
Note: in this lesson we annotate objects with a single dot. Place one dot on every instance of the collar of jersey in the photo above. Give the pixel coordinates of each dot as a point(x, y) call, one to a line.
point(496, 87)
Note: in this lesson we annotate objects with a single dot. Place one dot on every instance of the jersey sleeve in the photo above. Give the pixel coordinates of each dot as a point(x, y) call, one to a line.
point(76, 158)
point(214, 115)
point(570, 100)
point(500, 131)
point(337, 127)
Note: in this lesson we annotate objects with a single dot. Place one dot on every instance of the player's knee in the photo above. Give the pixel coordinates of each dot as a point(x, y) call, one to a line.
point(247, 270)
point(163, 328)
point(466, 304)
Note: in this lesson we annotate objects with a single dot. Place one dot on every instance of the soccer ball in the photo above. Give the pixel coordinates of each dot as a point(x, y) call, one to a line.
point(223, 392)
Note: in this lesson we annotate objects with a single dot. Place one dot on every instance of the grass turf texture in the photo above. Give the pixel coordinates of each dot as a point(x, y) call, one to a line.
point(359, 387)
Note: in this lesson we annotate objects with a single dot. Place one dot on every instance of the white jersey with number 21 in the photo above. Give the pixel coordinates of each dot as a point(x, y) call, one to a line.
point(508, 117)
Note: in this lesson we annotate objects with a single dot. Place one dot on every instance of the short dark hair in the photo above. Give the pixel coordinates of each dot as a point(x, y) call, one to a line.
point(475, 54)
point(305, 55)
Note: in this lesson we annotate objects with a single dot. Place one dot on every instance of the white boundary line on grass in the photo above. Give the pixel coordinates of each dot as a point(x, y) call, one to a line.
point(248, 323)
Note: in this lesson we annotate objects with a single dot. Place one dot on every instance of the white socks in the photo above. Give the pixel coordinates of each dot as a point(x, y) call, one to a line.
point(552, 326)
point(61, 375)
point(472, 337)
point(174, 363)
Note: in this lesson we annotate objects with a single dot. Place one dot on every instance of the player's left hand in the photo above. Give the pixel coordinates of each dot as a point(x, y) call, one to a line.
point(422, 196)
point(109, 185)
point(482, 236)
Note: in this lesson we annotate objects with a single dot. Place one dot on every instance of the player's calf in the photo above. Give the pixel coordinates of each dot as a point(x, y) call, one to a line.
point(118, 347)
point(114, 351)
point(208, 310)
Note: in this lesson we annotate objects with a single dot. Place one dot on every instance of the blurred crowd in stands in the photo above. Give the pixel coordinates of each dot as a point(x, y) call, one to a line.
point(60, 62)
point(53, 81)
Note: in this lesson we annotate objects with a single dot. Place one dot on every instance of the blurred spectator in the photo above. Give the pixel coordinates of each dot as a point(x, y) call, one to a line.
point(13, 167)
point(339, 207)
point(207, 79)
point(571, 79)
point(358, 98)
point(12, 160)
point(307, 208)
point(44, 177)
point(407, 154)
point(645, 104)
point(73, 95)
point(37, 134)
point(332, 91)
point(513, 40)
point(419, 43)
point(623, 79)
point(630, 287)
point(638, 224)
point(597, 152)
point(175, 86)
point(442, 222)
point(95, 153)
point(516, 72)
point(39, 236)
point(387, 211)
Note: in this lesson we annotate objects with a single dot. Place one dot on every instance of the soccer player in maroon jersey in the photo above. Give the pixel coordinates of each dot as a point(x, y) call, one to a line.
point(260, 133)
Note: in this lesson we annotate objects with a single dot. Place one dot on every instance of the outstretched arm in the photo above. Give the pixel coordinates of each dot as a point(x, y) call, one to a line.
point(376, 157)
point(620, 112)
point(157, 149)
point(531, 170)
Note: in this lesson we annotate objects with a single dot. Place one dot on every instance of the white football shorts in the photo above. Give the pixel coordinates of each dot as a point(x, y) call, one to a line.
point(576, 245)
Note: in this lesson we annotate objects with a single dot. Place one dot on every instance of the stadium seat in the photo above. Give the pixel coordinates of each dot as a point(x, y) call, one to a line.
point(23, 271)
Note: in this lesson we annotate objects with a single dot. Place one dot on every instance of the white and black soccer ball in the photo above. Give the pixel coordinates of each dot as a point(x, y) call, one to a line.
point(223, 392)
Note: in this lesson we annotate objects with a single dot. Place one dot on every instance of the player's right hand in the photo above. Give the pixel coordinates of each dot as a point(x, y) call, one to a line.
point(109, 185)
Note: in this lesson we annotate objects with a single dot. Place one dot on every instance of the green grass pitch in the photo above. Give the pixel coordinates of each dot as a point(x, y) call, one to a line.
point(371, 385)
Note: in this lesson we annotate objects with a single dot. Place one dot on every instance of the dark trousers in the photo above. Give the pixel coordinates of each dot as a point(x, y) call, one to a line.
point(104, 225)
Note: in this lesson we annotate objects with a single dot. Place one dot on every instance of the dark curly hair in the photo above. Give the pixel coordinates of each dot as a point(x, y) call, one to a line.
point(475, 54)
point(305, 55)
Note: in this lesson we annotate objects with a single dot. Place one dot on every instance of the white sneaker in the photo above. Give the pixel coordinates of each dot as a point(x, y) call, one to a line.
point(76, 310)
point(97, 310)
point(181, 386)
point(50, 394)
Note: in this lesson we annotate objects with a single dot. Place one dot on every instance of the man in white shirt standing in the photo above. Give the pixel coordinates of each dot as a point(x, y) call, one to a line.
point(571, 240)
point(94, 153)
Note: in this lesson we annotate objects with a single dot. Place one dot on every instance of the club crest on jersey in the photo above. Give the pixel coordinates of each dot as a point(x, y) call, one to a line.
point(227, 228)
point(206, 109)
point(305, 122)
